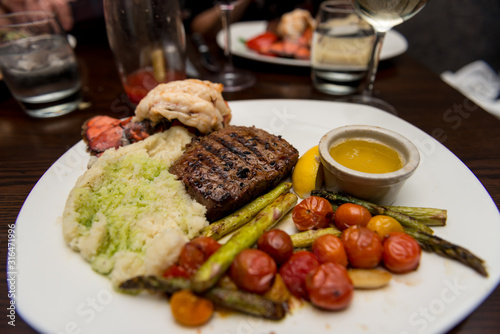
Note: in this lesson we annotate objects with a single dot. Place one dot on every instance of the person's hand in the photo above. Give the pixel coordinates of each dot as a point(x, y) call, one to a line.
point(60, 8)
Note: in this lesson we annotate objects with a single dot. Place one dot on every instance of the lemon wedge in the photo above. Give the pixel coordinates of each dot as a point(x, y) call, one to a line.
point(308, 173)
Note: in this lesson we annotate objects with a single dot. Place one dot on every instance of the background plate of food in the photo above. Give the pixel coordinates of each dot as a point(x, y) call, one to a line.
point(58, 292)
point(394, 45)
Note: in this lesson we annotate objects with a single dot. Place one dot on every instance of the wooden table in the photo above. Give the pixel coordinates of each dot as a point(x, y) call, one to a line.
point(30, 146)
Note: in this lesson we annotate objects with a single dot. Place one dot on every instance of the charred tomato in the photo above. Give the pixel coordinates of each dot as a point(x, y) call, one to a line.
point(312, 213)
point(401, 253)
point(295, 270)
point(276, 243)
point(329, 248)
point(196, 252)
point(363, 247)
point(329, 287)
point(253, 270)
point(349, 214)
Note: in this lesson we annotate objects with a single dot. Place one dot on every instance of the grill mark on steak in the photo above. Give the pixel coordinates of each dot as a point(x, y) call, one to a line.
point(228, 146)
point(210, 160)
point(251, 154)
point(222, 157)
point(227, 156)
point(226, 152)
point(202, 164)
point(230, 167)
point(275, 147)
point(262, 147)
point(234, 172)
point(266, 152)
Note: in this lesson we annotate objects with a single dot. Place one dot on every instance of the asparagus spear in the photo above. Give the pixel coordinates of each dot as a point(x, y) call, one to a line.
point(239, 218)
point(432, 243)
point(428, 216)
point(306, 238)
point(210, 271)
point(233, 299)
point(154, 283)
point(247, 303)
point(405, 220)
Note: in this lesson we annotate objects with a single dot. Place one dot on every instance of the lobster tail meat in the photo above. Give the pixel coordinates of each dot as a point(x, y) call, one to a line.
point(194, 103)
point(104, 132)
point(197, 105)
point(97, 125)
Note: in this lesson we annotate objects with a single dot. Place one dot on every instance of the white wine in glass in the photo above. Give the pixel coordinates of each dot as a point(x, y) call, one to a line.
point(385, 14)
point(382, 15)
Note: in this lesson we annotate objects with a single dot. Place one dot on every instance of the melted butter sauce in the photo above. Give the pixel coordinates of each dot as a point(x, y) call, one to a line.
point(366, 156)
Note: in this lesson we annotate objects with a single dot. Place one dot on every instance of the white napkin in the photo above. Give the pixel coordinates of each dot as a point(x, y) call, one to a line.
point(478, 82)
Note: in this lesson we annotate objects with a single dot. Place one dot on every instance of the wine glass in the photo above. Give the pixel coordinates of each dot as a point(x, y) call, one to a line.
point(382, 15)
point(233, 79)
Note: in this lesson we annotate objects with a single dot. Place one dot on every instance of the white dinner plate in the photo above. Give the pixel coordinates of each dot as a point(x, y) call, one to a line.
point(57, 291)
point(394, 44)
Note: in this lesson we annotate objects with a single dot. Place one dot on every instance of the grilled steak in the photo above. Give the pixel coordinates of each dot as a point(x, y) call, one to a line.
point(229, 167)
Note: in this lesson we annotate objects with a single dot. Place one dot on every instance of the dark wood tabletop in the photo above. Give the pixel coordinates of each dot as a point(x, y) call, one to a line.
point(29, 146)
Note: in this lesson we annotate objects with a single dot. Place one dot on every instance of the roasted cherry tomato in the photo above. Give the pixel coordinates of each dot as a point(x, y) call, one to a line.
point(363, 247)
point(262, 42)
point(176, 271)
point(401, 252)
point(295, 270)
point(329, 248)
point(196, 252)
point(312, 213)
point(330, 287)
point(253, 270)
point(189, 309)
point(349, 214)
point(383, 225)
point(276, 243)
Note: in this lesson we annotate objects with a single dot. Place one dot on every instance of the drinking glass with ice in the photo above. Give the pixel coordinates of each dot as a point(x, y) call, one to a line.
point(38, 64)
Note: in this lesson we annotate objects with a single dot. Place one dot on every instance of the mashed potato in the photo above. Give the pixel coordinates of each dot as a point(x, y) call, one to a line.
point(127, 215)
